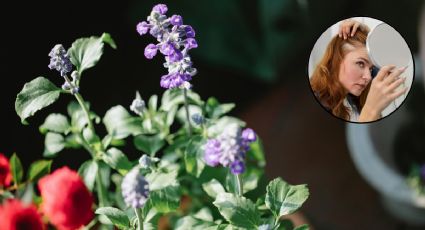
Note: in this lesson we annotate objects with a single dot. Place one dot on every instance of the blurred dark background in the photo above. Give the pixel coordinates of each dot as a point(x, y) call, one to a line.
point(253, 53)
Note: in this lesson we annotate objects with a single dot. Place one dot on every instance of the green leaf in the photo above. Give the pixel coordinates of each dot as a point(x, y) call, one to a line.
point(106, 38)
point(16, 168)
point(116, 216)
point(56, 122)
point(117, 160)
point(38, 169)
point(153, 104)
point(213, 188)
point(35, 95)
point(283, 198)
point(215, 110)
point(238, 210)
point(190, 222)
point(159, 180)
point(120, 124)
point(256, 153)
point(53, 143)
point(149, 144)
point(193, 156)
point(90, 136)
point(88, 171)
point(166, 199)
point(175, 97)
point(86, 52)
point(78, 116)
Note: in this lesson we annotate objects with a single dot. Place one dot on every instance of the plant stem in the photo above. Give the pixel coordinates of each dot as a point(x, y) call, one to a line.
point(239, 184)
point(186, 106)
point(139, 220)
point(85, 109)
point(101, 192)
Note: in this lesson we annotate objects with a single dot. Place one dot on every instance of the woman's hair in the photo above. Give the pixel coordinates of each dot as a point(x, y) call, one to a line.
point(324, 81)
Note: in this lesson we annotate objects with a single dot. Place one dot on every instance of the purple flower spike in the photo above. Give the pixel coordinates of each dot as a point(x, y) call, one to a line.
point(191, 43)
point(142, 28)
point(174, 40)
point(160, 8)
point(212, 152)
point(249, 135)
point(176, 20)
point(190, 32)
point(237, 167)
point(150, 51)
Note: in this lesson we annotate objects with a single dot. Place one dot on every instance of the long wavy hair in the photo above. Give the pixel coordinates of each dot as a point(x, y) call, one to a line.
point(325, 82)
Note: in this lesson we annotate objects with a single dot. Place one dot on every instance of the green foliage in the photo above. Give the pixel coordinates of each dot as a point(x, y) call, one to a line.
point(16, 169)
point(283, 198)
point(35, 95)
point(182, 188)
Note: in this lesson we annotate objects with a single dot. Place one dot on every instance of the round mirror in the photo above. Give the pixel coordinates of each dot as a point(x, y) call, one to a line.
point(387, 47)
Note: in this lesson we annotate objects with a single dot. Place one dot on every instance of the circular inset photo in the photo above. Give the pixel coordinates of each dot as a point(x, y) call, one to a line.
point(361, 69)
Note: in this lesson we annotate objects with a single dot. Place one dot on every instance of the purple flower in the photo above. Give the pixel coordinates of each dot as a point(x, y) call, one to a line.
point(167, 48)
point(190, 43)
point(175, 56)
point(142, 28)
point(190, 33)
point(249, 135)
point(174, 80)
point(150, 51)
point(237, 167)
point(135, 189)
point(160, 8)
point(198, 119)
point(59, 60)
point(176, 20)
point(174, 42)
point(212, 152)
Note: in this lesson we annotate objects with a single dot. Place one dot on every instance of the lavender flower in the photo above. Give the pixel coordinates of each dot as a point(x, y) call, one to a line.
point(229, 148)
point(237, 167)
point(59, 60)
point(212, 152)
point(135, 189)
point(138, 105)
point(174, 42)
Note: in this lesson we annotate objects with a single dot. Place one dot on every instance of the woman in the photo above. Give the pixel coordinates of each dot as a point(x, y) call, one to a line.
point(342, 80)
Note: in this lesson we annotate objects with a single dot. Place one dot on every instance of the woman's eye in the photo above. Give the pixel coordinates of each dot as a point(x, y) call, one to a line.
point(360, 63)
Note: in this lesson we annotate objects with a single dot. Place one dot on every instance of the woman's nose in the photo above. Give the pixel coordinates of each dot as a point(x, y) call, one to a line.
point(367, 75)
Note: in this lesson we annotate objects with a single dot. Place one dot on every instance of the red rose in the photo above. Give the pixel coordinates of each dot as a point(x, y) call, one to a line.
point(16, 216)
point(5, 173)
point(66, 200)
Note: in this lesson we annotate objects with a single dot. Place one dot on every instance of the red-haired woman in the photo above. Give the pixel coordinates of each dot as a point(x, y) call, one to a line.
point(342, 81)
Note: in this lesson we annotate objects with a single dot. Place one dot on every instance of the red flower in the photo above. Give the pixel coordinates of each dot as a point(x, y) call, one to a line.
point(16, 216)
point(5, 173)
point(66, 200)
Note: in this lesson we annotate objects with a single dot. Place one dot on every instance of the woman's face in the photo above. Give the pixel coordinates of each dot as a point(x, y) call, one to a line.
point(355, 71)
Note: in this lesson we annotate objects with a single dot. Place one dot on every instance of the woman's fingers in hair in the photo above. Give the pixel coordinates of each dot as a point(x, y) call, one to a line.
point(384, 71)
point(354, 29)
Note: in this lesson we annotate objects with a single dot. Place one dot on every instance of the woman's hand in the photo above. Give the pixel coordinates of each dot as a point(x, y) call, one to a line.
point(383, 90)
point(348, 28)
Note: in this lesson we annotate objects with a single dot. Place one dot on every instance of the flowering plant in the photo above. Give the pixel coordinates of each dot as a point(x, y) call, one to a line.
point(198, 167)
